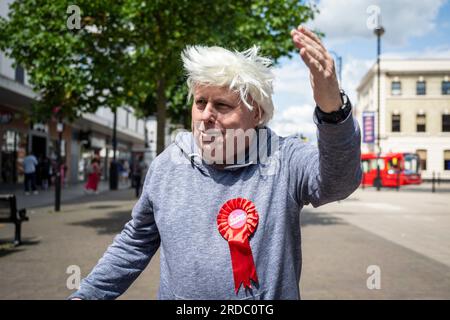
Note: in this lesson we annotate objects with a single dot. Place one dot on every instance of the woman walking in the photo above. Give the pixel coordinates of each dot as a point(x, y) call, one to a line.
point(93, 177)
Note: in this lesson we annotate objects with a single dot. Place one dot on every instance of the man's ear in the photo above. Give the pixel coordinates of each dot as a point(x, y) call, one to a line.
point(258, 114)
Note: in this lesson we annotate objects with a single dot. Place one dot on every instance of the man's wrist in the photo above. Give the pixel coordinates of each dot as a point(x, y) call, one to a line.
point(332, 106)
point(337, 116)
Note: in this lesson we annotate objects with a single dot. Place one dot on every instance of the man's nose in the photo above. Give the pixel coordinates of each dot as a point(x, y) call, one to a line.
point(209, 114)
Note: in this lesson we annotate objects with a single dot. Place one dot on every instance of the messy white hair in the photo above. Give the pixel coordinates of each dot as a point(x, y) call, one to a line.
point(246, 73)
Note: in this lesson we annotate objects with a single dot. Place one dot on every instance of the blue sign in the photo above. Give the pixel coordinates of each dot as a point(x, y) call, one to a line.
point(368, 119)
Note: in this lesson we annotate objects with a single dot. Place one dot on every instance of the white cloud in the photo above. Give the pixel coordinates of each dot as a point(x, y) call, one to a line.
point(344, 22)
point(353, 71)
point(293, 94)
point(295, 119)
point(292, 77)
point(294, 104)
point(341, 20)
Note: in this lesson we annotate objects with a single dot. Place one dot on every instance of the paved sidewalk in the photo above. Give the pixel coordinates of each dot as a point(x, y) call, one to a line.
point(53, 241)
point(47, 197)
point(337, 255)
point(419, 221)
point(340, 241)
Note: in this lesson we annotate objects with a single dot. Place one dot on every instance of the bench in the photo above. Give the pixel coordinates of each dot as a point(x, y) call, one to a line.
point(10, 214)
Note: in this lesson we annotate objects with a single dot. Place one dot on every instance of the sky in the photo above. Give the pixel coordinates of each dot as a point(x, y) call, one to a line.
point(414, 28)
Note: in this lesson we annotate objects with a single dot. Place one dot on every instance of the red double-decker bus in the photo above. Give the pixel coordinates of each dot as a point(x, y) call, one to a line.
point(396, 169)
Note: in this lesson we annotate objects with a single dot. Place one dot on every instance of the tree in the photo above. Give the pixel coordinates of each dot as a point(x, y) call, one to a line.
point(128, 51)
point(160, 30)
point(74, 70)
point(79, 69)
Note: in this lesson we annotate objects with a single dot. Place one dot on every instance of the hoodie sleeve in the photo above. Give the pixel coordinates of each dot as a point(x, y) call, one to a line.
point(330, 171)
point(127, 256)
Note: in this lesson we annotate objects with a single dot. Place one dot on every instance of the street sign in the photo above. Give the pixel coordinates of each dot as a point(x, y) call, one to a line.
point(368, 119)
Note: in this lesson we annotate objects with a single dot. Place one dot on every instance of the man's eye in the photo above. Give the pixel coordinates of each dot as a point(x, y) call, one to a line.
point(200, 103)
point(223, 106)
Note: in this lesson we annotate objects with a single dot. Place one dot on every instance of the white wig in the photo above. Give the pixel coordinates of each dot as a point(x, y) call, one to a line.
point(243, 72)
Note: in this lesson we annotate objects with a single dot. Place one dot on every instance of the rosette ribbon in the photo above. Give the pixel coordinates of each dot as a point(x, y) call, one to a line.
point(236, 221)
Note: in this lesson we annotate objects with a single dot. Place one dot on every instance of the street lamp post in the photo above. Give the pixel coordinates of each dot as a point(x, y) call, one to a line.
point(113, 169)
point(59, 129)
point(379, 31)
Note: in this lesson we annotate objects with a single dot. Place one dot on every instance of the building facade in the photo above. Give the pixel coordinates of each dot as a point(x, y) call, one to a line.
point(89, 136)
point(414, 111)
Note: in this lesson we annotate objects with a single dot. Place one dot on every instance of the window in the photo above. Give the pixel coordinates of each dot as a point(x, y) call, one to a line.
point(445, 87)
point(447, 160)
point(421, 121)
point(422, 158)
point(421, 88)
point(411, 163)
point(446, 123)
point(393, 164)
point(380, 164)
point(20, 75)
point(395, 123)
point(396, 88)
point(12, 153)
point(365, 166)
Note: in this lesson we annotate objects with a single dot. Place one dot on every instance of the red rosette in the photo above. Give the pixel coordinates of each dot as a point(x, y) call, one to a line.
point(236, 221)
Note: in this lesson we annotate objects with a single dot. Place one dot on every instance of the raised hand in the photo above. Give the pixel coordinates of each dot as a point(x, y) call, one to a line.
point(321, 66)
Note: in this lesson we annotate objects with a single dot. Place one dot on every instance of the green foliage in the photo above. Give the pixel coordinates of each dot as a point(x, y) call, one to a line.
point(128, 51)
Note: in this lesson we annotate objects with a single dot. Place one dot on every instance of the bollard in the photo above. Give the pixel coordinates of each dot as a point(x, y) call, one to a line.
point(432, 183)
point(398, 180)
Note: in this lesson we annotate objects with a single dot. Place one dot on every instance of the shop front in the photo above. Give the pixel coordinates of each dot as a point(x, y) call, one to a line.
point(18, 136)
point(13, 146)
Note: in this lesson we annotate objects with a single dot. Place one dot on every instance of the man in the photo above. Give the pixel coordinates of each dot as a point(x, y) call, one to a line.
point(45, 172)
point(140, 168)
point(225, 210)
point(29, 167)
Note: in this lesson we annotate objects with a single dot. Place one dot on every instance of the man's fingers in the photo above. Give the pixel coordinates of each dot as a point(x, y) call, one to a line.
point(313, 52)
point(318, 52)
point(313, 65)
point(311, 35)
point(315, 39)
point(304, 38)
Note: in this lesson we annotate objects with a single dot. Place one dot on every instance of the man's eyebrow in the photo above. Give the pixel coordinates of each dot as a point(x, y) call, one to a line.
point(224, 101)
point(217, 100)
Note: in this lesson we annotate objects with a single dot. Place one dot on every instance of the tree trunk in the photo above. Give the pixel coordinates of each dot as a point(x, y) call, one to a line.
point(161, 116)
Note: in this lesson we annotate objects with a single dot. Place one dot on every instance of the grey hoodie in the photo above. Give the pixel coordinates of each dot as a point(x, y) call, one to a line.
point(177, 212)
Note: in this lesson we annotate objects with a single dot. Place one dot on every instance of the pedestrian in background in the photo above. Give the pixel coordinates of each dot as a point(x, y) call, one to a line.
point(29, 167)
point(125, 172)
point(140, 168)
point(45, 172)
point(93, 176)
